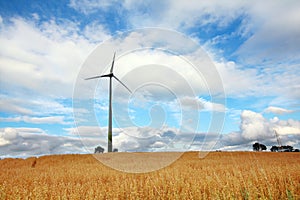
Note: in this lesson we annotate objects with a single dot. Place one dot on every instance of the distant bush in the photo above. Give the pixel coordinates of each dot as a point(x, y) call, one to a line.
point(99, 149)
point(259, 147)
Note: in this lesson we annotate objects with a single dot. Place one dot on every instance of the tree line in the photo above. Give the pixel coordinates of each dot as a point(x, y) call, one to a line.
point(261, 147)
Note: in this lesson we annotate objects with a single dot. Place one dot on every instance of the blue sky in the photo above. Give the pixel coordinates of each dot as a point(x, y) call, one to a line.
point(219, 75)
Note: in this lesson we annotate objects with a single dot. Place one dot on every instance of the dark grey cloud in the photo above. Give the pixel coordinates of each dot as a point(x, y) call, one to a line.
point(15, 142)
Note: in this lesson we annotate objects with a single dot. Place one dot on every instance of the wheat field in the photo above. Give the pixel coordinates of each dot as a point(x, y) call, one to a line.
point(219, 175)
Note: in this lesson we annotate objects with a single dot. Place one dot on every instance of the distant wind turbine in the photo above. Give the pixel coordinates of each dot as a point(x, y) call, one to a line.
point(110, 75)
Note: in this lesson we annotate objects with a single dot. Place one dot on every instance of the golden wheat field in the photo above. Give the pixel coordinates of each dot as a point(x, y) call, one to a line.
point(219, 175)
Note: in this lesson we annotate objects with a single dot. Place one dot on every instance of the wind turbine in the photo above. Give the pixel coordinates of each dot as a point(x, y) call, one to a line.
point(110, 75)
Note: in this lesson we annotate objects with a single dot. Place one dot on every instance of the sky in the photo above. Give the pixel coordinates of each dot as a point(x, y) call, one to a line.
point(204, 75)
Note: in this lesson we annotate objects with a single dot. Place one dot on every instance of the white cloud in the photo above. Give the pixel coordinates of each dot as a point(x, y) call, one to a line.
point(34, 105)
point(10, 134)
point(10, 119)
point(36, 16)
point(287, 127)
point(49, 55)
point(3, 142)
point(277, 110)
point(213, 106)
point(260, 19)
point(12, 106)
point(182, 15)
point(200, 104)
point(255, 128)
point(87, 131)
point(283, 43)
point(36, 120)
point(30, 130)
point(238, 81)
point(284, 80)
point(95, 32)
point(91, 6)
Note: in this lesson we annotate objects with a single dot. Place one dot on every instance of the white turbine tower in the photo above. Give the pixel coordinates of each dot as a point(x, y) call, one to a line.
point(110, 75)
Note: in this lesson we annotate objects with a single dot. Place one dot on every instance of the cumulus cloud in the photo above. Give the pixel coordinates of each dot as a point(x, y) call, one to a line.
point(10, 134)
point(254, 125)
point(256, 128)
point(49, 71)
point(286, 127)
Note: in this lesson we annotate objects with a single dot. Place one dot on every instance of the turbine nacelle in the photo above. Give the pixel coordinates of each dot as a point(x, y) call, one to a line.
point(110, 75)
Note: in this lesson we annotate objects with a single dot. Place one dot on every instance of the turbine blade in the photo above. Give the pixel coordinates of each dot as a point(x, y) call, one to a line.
point(112, 64)
point(106, 75)
point(122, 84)
point(92, 77)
